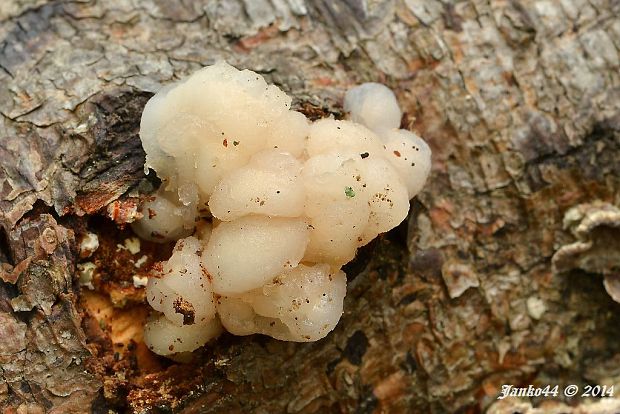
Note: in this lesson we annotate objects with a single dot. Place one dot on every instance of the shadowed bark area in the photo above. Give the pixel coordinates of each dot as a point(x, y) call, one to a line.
point(505, 272)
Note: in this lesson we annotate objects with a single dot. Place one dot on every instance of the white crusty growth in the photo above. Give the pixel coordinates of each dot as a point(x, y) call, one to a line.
point(276, 204)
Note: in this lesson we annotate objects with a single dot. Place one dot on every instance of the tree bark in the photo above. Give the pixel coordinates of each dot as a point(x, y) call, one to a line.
point(505, 272)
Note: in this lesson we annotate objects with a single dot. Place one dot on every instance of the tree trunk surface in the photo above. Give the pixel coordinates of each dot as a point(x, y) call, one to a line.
point(505, 272)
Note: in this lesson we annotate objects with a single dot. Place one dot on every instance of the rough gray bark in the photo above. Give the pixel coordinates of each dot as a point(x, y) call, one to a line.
point(520, 101)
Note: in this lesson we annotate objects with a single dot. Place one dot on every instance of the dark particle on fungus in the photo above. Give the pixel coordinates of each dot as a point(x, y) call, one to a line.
point(225, 142)
point(235, 143)
point(397, 153)
point(186, 309)
point(364, 155)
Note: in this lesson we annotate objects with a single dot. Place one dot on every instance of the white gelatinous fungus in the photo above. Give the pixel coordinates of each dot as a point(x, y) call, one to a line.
point(374, 105)
point(411, 156)
point(276, 204)
point(244, 254)
point(166, 338)
point(302, 304)
point(168, 292)
point(164, 219)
